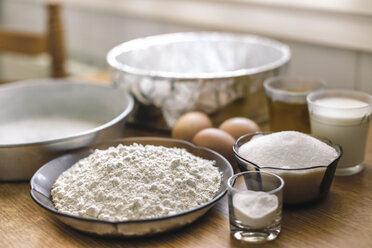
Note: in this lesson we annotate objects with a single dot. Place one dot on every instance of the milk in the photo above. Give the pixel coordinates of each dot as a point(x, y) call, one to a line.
point(341, 120)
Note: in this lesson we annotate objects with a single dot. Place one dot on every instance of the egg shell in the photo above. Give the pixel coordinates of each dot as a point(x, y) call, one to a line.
point(217, 140)
point(239, 126)
point(189, 124)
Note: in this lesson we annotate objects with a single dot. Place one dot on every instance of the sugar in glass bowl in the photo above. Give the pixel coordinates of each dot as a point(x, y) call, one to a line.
point(302, 184)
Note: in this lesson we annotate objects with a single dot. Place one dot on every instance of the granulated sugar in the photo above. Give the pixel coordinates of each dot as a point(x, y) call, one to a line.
point(256, 209)
point(135, 182)
point(288, 149)
point(292, 150)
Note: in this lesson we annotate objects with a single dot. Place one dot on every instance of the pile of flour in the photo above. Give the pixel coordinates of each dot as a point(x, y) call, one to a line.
point(135, 182)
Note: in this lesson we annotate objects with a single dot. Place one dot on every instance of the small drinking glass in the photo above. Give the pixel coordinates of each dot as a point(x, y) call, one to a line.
point(255, 206)
point(343, 116)
point(286, 97)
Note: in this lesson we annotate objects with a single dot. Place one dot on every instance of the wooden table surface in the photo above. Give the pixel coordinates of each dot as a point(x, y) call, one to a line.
point(342, 219)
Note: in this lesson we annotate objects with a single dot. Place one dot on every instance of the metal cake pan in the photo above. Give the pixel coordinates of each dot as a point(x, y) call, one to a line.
point(39, 120)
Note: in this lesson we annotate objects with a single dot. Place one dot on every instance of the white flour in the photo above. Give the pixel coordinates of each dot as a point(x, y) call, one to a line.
point(42, 128)
point(135, 182)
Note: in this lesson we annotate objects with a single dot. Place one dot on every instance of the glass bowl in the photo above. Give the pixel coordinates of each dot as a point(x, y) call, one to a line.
point(302, 185)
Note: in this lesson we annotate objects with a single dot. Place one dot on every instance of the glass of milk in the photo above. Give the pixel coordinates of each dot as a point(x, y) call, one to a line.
point(343, 116)
point(255, 206)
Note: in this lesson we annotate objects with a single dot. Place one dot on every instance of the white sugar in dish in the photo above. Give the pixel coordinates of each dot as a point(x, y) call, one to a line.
point(288, 149)
point(292, 153)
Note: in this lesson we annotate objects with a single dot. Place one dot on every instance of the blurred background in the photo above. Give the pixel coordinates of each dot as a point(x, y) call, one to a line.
point(329, 39)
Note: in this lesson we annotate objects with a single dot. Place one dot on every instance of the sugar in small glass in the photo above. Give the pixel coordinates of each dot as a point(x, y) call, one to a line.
point(255, 206)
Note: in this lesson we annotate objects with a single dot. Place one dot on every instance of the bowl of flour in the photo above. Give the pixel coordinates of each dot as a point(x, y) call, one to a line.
point(133, 186)
point(42, 119)
point(306, 164)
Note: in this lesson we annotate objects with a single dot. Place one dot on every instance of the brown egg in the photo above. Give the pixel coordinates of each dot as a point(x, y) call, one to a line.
point(239, 126)
point(217, 140)
point(189, 124)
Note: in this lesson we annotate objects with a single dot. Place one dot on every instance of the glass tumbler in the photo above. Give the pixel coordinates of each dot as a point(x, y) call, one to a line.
point(343, 116)
point(255, 206)
point(286, 97)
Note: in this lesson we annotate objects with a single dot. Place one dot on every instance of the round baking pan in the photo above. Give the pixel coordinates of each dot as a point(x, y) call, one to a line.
point(43, 119)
